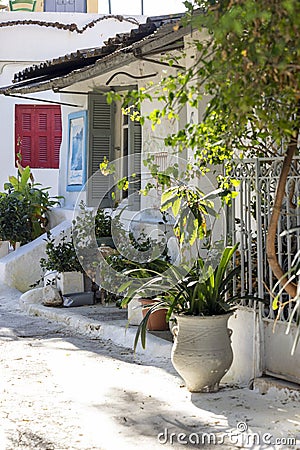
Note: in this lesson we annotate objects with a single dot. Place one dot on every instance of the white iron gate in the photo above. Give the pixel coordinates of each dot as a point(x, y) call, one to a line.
point(248, 221)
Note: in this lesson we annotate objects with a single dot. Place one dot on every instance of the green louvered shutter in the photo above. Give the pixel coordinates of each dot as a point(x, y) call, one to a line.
point(101, 137)
point(134, 164)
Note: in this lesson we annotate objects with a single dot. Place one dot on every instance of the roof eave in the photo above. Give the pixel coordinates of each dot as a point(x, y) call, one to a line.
point(119, 58)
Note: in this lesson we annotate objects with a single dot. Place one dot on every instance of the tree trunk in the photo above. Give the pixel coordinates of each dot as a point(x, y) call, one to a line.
point(291, 288)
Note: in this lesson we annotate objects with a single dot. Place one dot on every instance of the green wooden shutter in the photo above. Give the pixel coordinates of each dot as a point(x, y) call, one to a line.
point(101, 133)
point(134, 164)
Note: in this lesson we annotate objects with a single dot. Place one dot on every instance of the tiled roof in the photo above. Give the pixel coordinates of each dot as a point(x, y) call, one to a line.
point(80, 59)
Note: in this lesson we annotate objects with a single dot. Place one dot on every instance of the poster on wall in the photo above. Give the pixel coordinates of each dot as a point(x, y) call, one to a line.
point(76, 171)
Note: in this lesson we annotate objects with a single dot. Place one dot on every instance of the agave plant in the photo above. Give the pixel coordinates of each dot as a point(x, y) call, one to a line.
point(201, 291)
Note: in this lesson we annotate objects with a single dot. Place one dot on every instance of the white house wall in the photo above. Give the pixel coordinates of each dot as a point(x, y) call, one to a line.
point(38, 43)
point(149, 143)
point(70, 198)
point(25, 45)
point(47, 177)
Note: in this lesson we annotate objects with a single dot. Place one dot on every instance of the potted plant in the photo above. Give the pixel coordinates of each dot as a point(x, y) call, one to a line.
point(103, 228)
point(15, 225)
point(157, 320)
point(83, 232)
point(130, 248)
point(23, 208)
point(201, 301)
point(62, 259)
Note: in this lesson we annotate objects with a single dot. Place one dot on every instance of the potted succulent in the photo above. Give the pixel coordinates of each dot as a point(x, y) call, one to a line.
point(201, 302)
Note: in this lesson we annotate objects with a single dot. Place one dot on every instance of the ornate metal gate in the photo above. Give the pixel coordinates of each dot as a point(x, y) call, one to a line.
point(248, 221)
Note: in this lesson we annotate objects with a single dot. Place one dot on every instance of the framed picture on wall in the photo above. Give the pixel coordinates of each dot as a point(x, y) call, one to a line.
point(76, 168)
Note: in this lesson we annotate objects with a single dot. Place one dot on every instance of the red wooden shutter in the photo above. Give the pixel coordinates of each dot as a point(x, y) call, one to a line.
point(57, 136)
point(38, 135)
point(23, 134)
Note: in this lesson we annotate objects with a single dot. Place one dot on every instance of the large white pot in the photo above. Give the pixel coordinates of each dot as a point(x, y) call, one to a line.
point(202, 352)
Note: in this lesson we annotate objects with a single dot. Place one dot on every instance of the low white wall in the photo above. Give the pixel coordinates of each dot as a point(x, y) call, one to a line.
point(278, 346)
point(21, 268)
point(243, 337)
point(58, 215)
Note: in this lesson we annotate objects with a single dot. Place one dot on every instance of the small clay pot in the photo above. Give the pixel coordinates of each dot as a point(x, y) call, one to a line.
point(157, 319)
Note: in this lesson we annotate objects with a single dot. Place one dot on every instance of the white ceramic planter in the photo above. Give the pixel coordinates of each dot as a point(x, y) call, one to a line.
point(4, 248)
point(202, 352)
point(134, 312)
point(70, 282)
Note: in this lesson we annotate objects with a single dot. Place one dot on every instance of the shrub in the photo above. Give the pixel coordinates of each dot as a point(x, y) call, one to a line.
point(24, 208)
point(62, 256)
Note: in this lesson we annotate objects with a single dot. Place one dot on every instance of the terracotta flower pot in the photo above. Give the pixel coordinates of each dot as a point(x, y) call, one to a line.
point(157, 319)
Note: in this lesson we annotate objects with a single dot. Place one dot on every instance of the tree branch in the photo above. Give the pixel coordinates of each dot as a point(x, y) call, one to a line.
point(291, 288)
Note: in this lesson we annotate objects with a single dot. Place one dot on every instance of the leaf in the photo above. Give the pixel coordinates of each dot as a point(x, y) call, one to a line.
point(25, 176)
point(14, 181)
point(194, 234)
point(176, 206)
point(275, 304)
point(124, 286)
point(167, 195)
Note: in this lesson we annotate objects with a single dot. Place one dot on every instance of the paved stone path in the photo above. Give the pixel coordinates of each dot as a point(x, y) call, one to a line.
point(62, 391)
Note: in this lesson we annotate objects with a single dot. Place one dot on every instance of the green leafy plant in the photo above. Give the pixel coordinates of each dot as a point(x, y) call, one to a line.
point(102, 224)
point(15, 224)
point(200, 291)
point(34, 202)
point(245, 70)
point(142, 243)
point(61, 256)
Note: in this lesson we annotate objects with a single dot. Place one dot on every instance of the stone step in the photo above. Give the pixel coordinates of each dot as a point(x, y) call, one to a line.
point(272, 385)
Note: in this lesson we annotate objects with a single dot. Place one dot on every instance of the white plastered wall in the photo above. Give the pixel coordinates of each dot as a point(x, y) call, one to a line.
point(25, 45)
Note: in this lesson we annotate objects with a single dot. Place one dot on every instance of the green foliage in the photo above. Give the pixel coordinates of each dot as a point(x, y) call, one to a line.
point(203, 290)
point(102, 224)
point(246, 66)
point(15, 224)
point(190, 206)
point(249, 66)
point(24, 195)
point(62, 256)
point(120, 260)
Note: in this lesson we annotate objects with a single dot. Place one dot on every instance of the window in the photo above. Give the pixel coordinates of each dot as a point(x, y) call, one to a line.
point(78, 6)
point(113, 136)
point(38, 135)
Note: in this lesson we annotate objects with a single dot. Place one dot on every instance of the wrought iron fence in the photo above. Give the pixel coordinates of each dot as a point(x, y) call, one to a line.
point(248, 220)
